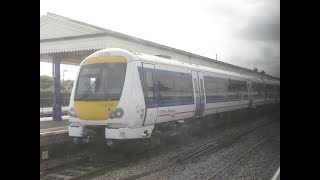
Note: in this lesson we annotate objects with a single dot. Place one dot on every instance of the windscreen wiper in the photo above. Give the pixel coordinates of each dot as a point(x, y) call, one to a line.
point(86, 93)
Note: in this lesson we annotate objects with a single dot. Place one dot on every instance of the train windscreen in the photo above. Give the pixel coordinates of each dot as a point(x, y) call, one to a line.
point(102, 82)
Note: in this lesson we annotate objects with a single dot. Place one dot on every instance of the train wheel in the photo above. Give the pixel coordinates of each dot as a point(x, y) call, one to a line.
point(155, 141)
point(186, 134)
point(183, 134)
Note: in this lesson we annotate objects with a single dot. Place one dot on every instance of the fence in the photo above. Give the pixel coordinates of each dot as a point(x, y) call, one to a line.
point(48, 102)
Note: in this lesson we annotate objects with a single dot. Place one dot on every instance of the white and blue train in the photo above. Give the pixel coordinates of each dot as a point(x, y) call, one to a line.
point(129, 95)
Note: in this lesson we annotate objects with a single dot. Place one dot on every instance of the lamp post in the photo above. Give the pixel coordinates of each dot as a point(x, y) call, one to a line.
point(63, 76)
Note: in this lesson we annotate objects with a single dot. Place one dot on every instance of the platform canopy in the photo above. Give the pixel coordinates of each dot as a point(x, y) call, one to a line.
point(71, 41)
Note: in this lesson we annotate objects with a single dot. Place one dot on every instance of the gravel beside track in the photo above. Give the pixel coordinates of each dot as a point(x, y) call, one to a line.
point(254, 156)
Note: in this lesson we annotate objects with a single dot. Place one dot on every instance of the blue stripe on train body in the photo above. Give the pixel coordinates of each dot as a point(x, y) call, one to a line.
point(187, 101)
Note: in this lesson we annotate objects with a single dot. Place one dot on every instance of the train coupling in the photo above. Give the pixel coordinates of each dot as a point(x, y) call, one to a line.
point(145, 134)
point(110, 143)
point(85, 139)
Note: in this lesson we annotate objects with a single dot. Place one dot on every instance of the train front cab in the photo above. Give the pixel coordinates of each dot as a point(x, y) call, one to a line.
point(106, 95)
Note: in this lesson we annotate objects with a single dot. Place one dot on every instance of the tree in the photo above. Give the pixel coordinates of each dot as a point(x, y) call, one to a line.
point(67, 85)
point(255, 69)
point(262, 72)
point(46, 82)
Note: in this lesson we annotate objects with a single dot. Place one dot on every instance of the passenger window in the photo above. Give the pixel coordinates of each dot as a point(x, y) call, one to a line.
point(149, 84)
point(174, 86)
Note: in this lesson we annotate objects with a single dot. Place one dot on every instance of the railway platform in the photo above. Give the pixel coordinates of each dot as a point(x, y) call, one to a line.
point(47, 111)
point(47, 122)
point(52, 132)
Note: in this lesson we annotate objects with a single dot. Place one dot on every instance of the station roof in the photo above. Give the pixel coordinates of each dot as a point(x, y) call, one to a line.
point(73, 40)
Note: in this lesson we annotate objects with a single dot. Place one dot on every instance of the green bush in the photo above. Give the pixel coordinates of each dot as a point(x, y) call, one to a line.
point(46, 93)
point(65, 93)
point(47, 87)
point(50, 93)
point(46, 82)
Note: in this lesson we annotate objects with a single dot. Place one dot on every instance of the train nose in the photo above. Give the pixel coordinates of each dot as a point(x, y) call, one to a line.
point(95, 110)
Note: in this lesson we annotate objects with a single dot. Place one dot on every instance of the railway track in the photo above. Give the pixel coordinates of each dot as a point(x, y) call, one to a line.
point(213, 145)
point(234, 160)
point(72, 169)
point(54, 165)
point(204, 148)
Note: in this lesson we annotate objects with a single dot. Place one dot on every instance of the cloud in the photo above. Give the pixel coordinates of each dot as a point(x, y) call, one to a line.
point(262, 24)
point(242, 32)
point(257, 37)
point(270, 60)
point(261, 29)
point(257, 54)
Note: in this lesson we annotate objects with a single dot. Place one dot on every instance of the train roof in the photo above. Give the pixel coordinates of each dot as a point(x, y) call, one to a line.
point(133, 56)
point(267, 81)
point(178, 63)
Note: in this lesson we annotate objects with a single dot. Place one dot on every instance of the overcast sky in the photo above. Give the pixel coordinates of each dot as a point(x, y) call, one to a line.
point(242, 32)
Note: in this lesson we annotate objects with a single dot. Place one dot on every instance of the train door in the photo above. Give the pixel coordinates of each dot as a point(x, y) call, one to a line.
point(199, 93)
point(150, 93)
point(202, 93)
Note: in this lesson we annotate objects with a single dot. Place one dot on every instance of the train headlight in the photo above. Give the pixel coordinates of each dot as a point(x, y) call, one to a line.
point(118, 113)
point(112, 115)
point(72, 112)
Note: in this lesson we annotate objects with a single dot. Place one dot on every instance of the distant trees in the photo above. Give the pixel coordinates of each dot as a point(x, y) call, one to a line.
point(47, 87)
point(46, 82)
point(67, 85)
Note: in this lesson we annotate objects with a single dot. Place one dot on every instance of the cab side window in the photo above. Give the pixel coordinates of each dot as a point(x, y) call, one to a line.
point(149, 84)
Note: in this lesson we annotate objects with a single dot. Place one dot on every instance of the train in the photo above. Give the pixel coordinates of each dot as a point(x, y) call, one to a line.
point(121, 95)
